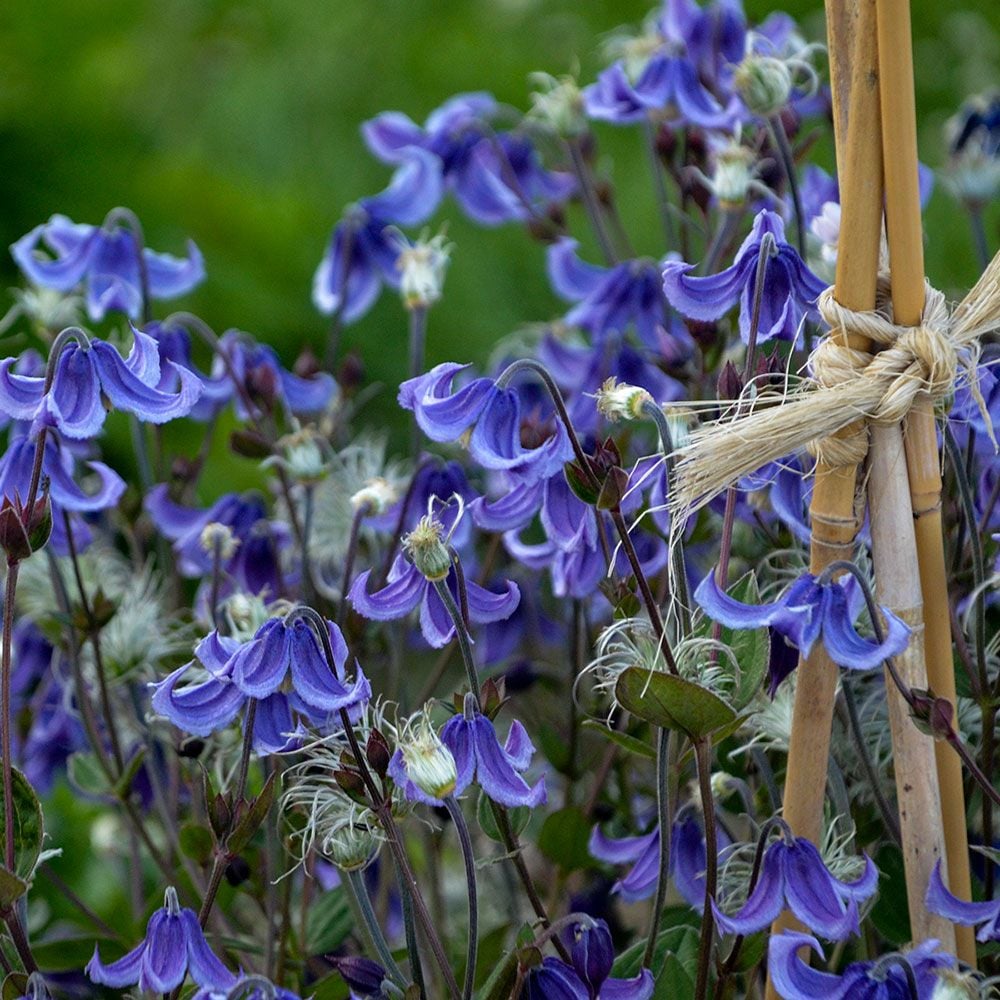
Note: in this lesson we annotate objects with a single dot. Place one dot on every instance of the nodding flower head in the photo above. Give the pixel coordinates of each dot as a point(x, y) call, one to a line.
point(620, 401)
point(766, 80)
point(422, 266)
point(422, 760)
point(376, 496)
point(427, 548)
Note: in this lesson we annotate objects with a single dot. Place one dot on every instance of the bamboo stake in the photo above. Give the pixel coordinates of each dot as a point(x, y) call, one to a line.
point(894, 548)
point(903, 222)
point(853, 51)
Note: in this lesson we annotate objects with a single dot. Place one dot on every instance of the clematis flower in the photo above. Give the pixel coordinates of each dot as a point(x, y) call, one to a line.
point(793, 875)
point(790, 288)
point(808, 611)
point(362, 254)
point(282, 666)
point(687, 860)
point(364, 977)
point(90, 376)
point(253, 565)
point(173, 948)
point(248, 366)
point(406, 588)
point(107, 259)
point(794, 979)
point(987, 914)
point(495, 176)
point(613, 299)
point(246, 988)
point(65, 494)
point(588, 975)
point(473, 742)
point(493, 413)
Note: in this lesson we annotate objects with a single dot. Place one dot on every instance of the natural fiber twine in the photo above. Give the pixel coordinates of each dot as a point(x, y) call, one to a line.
point(847, 387)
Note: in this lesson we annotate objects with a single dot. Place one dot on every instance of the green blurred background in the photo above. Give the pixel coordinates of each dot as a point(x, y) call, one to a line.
point(237, 124)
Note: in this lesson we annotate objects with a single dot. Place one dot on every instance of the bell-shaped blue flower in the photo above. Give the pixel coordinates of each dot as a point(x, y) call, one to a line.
point(611, 300)
point(588, 975)
point(173, 948)
point(789, 294)
point(90, 376)
point(986, 914)
point(494, 413)
point(107, 260)
point(794, 979)
point(806, 612)
point(363, 251)
point(406, 588)
point(793, 875)
point(479, 757)
point(687, 860)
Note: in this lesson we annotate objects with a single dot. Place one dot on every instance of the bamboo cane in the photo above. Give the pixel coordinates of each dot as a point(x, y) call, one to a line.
point(894, 548)
point(903, 223)
point(853, 51)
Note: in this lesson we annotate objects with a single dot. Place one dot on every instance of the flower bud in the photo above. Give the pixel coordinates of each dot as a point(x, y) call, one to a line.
point(621, 401)
point(592, 953)
point(362, 975)
point(350, 847)
point(426, 548)
point(429, 763)
point(764, 83)
point(730, 383)
point(21, 531)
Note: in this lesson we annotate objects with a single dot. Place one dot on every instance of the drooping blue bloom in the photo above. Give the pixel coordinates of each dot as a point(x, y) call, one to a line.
point(406, 588)
point(613, 299)
point(250, 374)
point(687, 860)
point(173, 948)
point(55, 733)
point(246, 988)
point(59, 462)
point(794, 979)
point(363, 251)
point(986, 914)
point(254, 567)
point(808, 611)
point(473, 742)
point(493, 413)
point(790, 288)
point(793, 875)
point(588, 975)
point(495, 176)
point(282, 666)
point(90, 377)
point(108, 261)
point(364, 977)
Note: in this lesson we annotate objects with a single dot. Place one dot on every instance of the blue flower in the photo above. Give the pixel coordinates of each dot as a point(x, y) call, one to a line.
point(91, 376)
point(107, 259)
point(254, 566)
point(987, 914)
point(64, 493)
point(364, 977)
point(363, 251)
point(496, 177)
point(588, 976)
point(174, 947)
point(790, 288)
point(407, 587)
point(806, 612)
point(793, 875)
point(494, 413)
point(687, 860)
point(794, 979)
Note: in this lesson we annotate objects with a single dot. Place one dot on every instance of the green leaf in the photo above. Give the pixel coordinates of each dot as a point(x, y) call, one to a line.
point(674, 962)
point(12, 888)
point(251, 820)
point(500, 985)
point(65, 953)
point(554, 747)
point(86, 775)
point(890, 914)
point(15, 986)
point(672, 702)
point(28, 827)
point(196, 842)
point(124, 784)
point(485, 813)
point(630, 744)
point(329, 922)
point(564, 837)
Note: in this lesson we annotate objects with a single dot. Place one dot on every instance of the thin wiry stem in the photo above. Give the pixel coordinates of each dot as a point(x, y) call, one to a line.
point(465, 840)
point(357, 893)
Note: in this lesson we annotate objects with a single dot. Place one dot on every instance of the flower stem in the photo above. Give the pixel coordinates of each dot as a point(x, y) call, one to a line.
point(586, 182)
point(666, 799)
point(777, 129)
point(418, 339)
point(357, 894)
point(703, 761)
point(659, 185)
point(465, 840)
point(462, 633)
